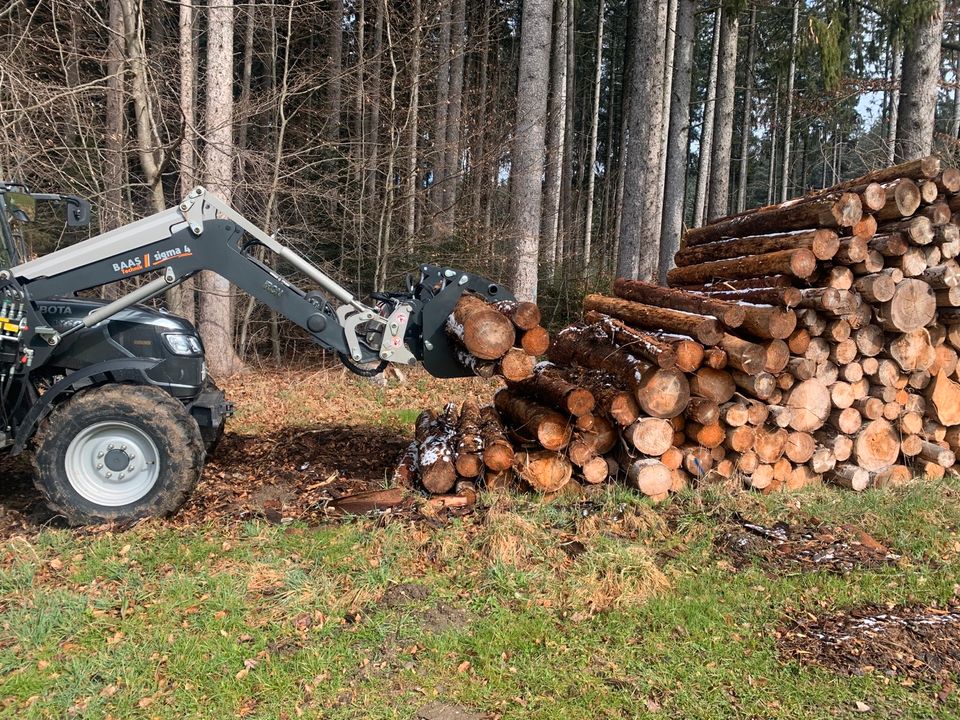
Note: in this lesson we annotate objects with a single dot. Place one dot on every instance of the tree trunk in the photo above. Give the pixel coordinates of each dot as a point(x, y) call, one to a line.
point(216, 312)
point(669, 49)
point(334, 68)
point(566, 236)
point(706, 128)
point(451, 153)
point(114, 172)
point(442, 103)
point(747, 122)
point(788, 119)
point(642, 191)
point(147, 137)
point(774, 130)
point(556, 133)
point(528, 145)
point(413, 130)
point(895, 82)
point(675, 173)
point(919, 86)
point(183, 302)
point(719, 192)
point(590, 167)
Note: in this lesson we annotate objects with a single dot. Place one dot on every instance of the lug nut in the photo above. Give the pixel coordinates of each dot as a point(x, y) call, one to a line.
point(99, 454)
point(109, 474)
point(99, 466)
point(120, 476)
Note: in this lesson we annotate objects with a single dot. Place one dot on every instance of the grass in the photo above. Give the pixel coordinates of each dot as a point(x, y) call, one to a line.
point(272, 621)
point(606, 609)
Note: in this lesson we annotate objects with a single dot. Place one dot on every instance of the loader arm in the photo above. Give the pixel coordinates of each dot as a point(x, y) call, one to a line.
point(203, 233)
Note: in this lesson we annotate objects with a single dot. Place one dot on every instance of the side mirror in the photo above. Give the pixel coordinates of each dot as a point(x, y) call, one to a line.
point(78, 211)
point(22, 206)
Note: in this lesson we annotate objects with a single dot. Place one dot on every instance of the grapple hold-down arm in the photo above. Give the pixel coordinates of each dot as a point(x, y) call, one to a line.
point(203, 233)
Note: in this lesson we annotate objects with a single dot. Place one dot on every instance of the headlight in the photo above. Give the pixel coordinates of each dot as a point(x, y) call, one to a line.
point(183, 344)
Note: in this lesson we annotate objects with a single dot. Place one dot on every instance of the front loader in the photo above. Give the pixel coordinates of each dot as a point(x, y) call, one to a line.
point(113, 399)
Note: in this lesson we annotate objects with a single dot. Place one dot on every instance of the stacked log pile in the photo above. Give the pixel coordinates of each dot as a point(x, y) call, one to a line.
point(815, 340)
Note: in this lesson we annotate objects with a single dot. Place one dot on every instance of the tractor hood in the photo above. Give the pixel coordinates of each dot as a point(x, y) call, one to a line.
point(63, 313)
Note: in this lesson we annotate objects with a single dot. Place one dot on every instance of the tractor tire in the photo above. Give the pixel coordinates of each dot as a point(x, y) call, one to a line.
point(117, 453)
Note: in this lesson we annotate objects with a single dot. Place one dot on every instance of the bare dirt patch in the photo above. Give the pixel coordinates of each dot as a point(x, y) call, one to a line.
point(404, 594)
point(443, 711)
point(808, 547)
point(289, 474)
point(915, 642)
point(293, 473)
point(443, 617)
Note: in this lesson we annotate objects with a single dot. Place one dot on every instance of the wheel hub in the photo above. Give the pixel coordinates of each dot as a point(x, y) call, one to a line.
point(112, 463)
point(116, 460)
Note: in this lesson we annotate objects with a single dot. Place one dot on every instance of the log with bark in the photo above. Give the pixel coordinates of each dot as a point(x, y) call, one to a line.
point(435, 445)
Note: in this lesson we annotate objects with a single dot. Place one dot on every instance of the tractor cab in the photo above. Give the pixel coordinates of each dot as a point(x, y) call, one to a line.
point(18, 206)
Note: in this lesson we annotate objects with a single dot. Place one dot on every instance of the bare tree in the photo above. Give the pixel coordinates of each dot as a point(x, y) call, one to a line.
point(919, 85)
point(675, 173)
point(556, 135)
point(719, 194)
point(706, 128)
point(335, 68)
point(148, 138)
point(788, 115)
point(451, 154)
point(115, 162)
point(638, 252)
point(896, 62)
point(526, 170)
point(747, 121)
point(413, 129)
point(216, 307)
point(592, 143)
point(441, 113)
point(182, 300)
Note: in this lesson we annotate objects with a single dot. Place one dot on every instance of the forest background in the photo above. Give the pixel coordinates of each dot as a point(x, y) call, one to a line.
point(548, 144)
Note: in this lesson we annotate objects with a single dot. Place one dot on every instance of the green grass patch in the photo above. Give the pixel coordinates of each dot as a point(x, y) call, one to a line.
point(605, 609)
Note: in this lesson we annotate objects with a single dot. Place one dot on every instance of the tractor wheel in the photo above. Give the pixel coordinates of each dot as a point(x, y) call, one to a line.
point(118, 452)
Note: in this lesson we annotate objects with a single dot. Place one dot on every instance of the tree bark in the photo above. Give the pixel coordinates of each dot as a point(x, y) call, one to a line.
point(675, 173)
point(556, 134)
point(590, 167)
point(919, 86)
point(747, 122)
point(528, 145)
point(788, 120)
point(639, 230)
point(719, 192)
point(413, 129)
point(441, 110)
point(216, 307)
point(895, 83)
point(705, 151)
point(334, 68)
point(182, 298)
point(451, 153)
point(114, 175)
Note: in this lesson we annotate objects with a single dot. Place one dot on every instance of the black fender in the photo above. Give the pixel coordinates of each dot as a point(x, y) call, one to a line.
point(116, 370)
